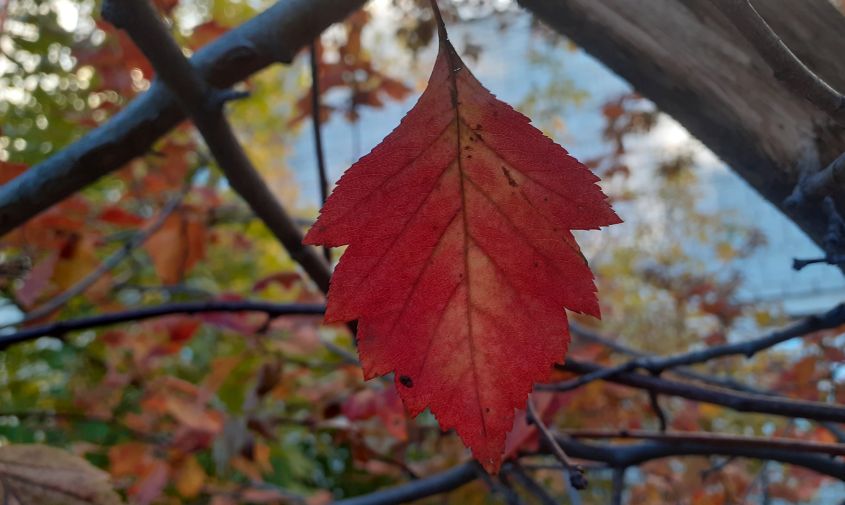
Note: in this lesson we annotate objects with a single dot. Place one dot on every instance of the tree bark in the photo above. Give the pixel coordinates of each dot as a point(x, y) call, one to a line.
point(687, 58)
point(275, 35)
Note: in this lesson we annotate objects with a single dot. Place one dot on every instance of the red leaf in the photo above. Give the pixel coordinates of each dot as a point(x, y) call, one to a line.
point(205, 33)
point(9, 171)
point(120, 217)
point(460, 257)
point(385, 404)
point(37, 280)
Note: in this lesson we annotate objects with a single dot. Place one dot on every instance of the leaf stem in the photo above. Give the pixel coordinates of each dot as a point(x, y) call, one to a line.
point(441, 25)
point(318, 136)
point(575, 471)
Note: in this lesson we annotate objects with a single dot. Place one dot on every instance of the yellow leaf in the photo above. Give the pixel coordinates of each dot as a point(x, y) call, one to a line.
point(190, 477)
point(763, 318)
point(725, 251)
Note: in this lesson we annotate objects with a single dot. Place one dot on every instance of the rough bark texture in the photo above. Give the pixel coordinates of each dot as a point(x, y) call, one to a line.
point(273, 36)
point(689, 59)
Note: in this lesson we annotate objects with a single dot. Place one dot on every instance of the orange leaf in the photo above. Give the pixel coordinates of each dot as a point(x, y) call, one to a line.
point(120, 217)
point(9, 171)
point(461, 258)
point(189, 478)
point(193, 415)
point(177, 246)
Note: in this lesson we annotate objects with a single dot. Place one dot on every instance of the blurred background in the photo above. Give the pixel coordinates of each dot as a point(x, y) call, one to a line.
point(241, 409)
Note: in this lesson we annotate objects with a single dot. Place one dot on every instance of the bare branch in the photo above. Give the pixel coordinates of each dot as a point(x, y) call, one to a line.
point(623, 456)
point(109, 263)
point(715, 439)
point(420, 488)
point(786, 66)
point(204, 104)
point(575, 471)
point(748, 348)
point(825, 182)
point(60, 328)
point(739, 401)
point(274, 35)
point(618, 486)
point(316, 110)
point(520, 475)
point(616, 456)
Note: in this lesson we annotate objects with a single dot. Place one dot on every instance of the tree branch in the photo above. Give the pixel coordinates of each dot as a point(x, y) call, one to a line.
point(575, 472)
point(742, 402)
point(272, 36)
point(748, 348)
point(420, 488)
point(623, 456)
point(59, 328)
point(786, 66)
point(616, 456)
point(819, 184)
point(109, 263)
point(831, 319)
point(715, 439)
point(205, 106)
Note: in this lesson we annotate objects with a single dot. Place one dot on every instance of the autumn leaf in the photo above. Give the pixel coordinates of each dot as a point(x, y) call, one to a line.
point(460, 257)
point(178, 245)
point(49, 476)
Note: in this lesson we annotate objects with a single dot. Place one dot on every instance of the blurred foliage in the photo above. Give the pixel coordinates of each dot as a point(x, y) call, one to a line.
point(237, 408)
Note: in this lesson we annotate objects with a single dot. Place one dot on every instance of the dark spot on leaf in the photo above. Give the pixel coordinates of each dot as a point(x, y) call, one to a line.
point(487, 410)
point(536, 264)
point(507, 173)
point(406, 381)
point(477, 126)
point(469, 156)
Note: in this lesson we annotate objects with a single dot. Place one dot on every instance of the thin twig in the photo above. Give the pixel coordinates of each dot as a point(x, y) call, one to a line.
point(720, 382)
point(427, 486)
point(736, 400)
point(748, 348)
point(518, 472)
point(618, 486)
point(438, 19)
point(498, 485)
point(318, 136)
point(715, 439)
point(60, 328)
point(786, 66)
point(108, 264)
point(654, 401)
point(583, 333)
point(575, 471)
point(627, 455)
point(204, 104)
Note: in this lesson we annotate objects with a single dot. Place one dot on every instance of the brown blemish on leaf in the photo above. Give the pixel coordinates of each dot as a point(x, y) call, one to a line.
point(511, 180)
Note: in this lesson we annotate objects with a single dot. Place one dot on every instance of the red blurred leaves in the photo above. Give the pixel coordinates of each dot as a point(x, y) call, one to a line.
point(353, 70)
